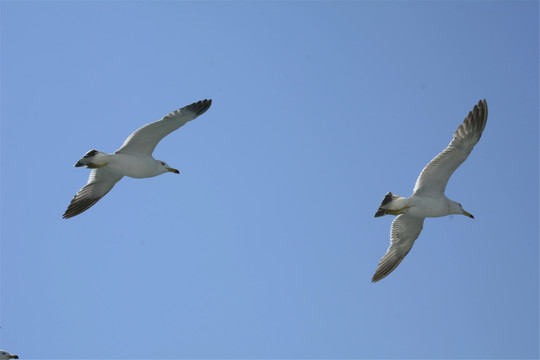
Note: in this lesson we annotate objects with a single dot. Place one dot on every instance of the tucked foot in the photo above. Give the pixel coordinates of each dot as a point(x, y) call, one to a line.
point(398, 211)
point(91, 165)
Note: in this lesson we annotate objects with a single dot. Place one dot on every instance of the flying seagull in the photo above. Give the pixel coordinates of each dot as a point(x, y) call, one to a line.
point(133, 159)
point(4, 355)
point(428, 199)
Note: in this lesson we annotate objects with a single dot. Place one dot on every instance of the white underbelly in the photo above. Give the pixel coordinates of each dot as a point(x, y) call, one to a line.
point(133, 166)
point(429, 207)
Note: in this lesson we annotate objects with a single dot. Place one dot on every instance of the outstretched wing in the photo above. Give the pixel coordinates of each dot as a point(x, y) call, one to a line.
point(100, 182)
point(433, 179)
point(405, 230)
point(144, 140)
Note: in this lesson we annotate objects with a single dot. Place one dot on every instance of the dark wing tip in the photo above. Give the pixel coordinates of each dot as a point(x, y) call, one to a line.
point(383, 271)
point(476, 121)
point(79, 205)
point(481, 108)
point(479, 115)
point(388, 264)
point(485, 111)
point(199, 107)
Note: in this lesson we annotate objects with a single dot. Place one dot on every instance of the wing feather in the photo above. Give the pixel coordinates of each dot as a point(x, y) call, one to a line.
point(144, 140)
point(100, 182)
point(433, 179)
point(405, 230)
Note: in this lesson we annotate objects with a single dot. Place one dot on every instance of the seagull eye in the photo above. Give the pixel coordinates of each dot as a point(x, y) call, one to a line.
point(162, 163)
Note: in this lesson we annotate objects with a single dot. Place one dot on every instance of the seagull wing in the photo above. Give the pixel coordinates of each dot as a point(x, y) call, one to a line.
point(100, 182)
point(433, 179)
point(144, 140)
point(405, 230)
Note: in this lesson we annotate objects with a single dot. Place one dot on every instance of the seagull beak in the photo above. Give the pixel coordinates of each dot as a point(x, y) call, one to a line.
point(173, 170)
point(468, 214)
point(13, 357)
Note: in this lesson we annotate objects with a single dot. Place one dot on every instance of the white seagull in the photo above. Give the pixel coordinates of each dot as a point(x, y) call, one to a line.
point(133, 159)
point(428, 199)
point(4, 355)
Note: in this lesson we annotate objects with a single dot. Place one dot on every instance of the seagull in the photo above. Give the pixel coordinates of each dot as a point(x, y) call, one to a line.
point(4, 355)
point(428, 199)
point(133, 159)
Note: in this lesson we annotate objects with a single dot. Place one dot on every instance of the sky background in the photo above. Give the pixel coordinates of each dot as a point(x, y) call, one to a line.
point(265, 244)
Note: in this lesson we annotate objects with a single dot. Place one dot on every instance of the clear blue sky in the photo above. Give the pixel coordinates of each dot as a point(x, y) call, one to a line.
point(265, 244)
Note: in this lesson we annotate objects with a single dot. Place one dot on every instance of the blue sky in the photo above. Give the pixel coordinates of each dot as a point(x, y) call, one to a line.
point(265, 244)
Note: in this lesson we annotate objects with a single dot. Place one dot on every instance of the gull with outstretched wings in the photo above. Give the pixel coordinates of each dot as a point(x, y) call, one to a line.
point(133, 159)
point(428, 199)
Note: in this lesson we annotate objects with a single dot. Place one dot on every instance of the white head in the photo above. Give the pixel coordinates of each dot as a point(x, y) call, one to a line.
point(5, 355)
point(456, 208)
point(163, 167)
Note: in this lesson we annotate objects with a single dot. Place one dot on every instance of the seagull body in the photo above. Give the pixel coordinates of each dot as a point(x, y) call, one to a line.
point(134, 166)
point(133, 159)
point(428, 198)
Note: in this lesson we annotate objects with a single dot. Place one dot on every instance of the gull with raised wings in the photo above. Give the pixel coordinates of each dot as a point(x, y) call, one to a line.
point(133, 159)
point(428, 199)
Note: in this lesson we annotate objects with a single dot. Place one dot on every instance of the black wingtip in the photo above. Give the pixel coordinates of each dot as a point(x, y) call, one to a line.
point(479, 114)
point(199, 107)
point(69, 213)
point(78, 206)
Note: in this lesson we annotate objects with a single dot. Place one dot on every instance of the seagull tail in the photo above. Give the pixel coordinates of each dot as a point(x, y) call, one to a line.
point(93, 160)
point(387, 204)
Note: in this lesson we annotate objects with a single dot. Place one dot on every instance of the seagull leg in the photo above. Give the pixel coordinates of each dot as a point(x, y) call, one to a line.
point(91, 165)
point(398, 211)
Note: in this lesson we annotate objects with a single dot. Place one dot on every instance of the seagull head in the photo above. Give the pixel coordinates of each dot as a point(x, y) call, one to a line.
point(164, 167)
point(5, 355)
point(456, 208)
